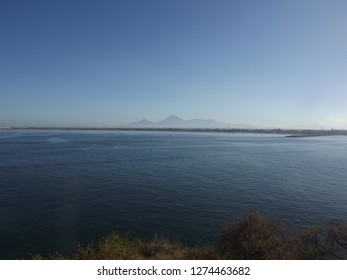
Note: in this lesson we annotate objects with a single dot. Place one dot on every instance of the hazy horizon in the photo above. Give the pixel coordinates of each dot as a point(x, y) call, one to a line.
point(189, 123)
point(268, 64)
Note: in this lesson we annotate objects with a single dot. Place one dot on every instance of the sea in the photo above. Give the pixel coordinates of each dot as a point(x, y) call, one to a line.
point(62, 188)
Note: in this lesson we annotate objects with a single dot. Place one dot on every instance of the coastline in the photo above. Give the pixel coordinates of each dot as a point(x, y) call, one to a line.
point(291, 133)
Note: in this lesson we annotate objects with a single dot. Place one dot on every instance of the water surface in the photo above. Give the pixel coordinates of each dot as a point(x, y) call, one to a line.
point(60, 188)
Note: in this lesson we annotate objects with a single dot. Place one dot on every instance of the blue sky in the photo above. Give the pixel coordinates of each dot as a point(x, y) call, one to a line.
point(107, 63)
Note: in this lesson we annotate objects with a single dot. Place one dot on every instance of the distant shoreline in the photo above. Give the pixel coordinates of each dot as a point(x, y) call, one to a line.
point(293, 133)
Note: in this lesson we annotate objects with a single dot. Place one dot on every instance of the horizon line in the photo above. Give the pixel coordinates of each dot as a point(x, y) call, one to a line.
point(128, 128)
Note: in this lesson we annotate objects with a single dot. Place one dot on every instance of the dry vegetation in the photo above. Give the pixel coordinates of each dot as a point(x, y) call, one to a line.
point(253, 236)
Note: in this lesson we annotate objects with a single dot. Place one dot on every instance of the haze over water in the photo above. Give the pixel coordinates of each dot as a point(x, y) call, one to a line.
point(60, 188)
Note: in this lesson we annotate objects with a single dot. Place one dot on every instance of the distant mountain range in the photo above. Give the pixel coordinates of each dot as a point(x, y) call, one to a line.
point(176, 122)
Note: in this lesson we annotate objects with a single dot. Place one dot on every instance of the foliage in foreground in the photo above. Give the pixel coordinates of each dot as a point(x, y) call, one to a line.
point(253, 236)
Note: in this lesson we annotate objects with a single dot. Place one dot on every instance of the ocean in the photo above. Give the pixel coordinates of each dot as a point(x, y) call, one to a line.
point(61, 188)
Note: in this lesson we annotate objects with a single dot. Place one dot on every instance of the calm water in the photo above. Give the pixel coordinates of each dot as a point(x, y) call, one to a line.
point(60, 188)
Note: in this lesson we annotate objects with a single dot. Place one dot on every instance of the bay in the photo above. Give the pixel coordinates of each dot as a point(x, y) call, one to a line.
point(60, 188)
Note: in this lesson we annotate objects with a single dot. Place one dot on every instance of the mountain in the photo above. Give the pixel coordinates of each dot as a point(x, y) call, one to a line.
point(142, 123)
point(205, 123)
point(171, 121)
point(176, 122)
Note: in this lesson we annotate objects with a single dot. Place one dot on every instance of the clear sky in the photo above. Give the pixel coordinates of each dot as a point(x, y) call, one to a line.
point(110, 62)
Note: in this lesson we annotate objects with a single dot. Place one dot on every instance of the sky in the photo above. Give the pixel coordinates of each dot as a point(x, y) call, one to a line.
point(105, 63)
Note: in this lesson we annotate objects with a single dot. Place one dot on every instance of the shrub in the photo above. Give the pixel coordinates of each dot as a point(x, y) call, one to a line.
point(112, 247)
point(327, 243)
point(252, 237)
point(255, 237)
